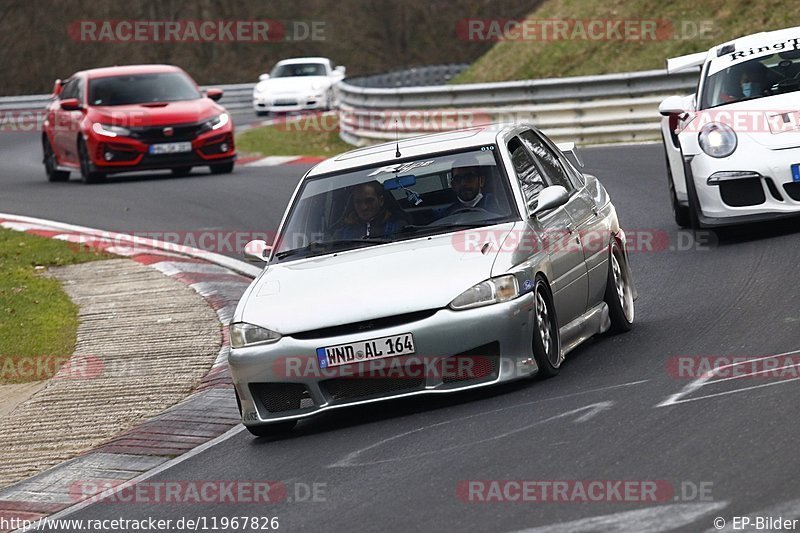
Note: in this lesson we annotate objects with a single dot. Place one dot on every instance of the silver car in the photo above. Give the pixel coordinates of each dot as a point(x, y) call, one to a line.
point(435, 264)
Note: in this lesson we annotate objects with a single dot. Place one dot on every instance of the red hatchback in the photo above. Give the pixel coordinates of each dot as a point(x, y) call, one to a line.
point(137, 117)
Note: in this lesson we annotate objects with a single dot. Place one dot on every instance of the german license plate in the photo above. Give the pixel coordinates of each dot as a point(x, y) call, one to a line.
point(171, 148)
point(796, 172)
point(357, 352)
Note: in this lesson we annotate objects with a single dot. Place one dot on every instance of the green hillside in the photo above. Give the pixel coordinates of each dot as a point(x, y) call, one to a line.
point(678, 24)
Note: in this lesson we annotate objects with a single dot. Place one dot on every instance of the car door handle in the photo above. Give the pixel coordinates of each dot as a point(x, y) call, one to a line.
point(595, 211)
point(570, 229)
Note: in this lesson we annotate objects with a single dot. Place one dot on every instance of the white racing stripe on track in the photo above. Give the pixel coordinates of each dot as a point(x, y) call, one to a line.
point(349, 459)
point(698, 383)
point(649, 520)
point(147, 475)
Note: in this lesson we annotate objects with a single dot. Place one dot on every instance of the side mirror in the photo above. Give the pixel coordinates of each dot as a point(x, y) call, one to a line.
point(57, 86)
point(70, 104)
point(550, 198)
point(263, 77)
point(257, 251)
point(569, 148)
point(673, 105)
point(339, 72)
point(214, 94)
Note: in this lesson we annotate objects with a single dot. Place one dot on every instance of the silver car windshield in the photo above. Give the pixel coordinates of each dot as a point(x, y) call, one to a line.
point(763, 76)
point(390, 202)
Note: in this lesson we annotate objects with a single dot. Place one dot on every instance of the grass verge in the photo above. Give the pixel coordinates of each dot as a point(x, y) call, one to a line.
point(314, 135)
point(689, 26)
point(38, 321)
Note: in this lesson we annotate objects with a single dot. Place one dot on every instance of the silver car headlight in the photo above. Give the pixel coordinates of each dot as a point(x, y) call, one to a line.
point(717, 139)
point(109, 130)
point(491, 291)
point(244, 334)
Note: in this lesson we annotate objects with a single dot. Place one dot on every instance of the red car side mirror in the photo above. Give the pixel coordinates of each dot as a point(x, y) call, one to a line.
point(214, 94)
point(57, 86)
point(70, 104)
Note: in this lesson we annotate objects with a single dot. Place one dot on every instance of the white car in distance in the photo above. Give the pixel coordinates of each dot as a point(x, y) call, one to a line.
point(298, 84)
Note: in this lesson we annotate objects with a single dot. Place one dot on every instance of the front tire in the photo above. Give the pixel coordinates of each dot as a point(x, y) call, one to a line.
point(546, 338)
point(88, 175)
point(619, 291)
point(222, 168)
point(679, 212)
point(50, 163)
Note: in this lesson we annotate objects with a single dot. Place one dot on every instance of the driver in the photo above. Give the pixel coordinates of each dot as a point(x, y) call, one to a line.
point(749, 79)
point(468, 183)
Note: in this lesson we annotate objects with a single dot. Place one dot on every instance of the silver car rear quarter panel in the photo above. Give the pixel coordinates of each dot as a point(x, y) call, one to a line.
point(446, 333)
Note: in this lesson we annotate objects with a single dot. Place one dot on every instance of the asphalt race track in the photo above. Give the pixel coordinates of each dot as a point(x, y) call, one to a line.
point(617, 411)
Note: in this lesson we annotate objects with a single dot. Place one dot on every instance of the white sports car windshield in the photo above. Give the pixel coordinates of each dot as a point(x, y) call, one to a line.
point(763, 76)
point(425, 196)
point(299, 69)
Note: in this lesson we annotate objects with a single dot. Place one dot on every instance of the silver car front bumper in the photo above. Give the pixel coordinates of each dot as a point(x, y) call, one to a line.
point(283, 381)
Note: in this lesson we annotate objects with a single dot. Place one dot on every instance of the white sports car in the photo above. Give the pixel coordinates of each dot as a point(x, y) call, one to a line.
point(733, 149)
point(299, 84)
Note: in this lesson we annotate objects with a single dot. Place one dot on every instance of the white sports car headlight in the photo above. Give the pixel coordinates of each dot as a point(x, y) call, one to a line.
point(244, 334)
point(491, 291)
point(717, 139)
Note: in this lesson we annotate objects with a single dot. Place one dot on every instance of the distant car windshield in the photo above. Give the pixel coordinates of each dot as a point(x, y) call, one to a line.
point(298, 69)
point(142, 88)
point(763, 76)
point(426, 196)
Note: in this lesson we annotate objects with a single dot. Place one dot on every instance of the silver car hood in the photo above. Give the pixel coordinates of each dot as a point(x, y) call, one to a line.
point(368, 283)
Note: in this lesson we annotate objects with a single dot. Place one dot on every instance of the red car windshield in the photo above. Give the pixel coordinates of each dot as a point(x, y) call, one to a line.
point(141, 88)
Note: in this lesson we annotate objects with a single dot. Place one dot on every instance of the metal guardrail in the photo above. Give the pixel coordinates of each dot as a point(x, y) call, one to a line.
point(590, 109)
point(411, 77)
point(236, 97)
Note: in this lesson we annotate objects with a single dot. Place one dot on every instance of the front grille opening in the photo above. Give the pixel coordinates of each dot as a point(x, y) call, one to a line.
point(181, 132)
point(474, 366)
point(364, 326)
point(742, 193)
point(282, 397)
point(361, 387)
point(773, 190)
point(793, 190)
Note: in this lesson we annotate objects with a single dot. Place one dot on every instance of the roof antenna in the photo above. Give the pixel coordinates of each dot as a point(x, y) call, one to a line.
point(397, 137)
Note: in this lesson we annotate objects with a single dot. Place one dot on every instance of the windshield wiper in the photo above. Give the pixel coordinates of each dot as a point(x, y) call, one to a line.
point(329, 246)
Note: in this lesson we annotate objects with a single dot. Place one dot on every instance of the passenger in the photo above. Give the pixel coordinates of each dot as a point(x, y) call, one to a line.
point(370, 215)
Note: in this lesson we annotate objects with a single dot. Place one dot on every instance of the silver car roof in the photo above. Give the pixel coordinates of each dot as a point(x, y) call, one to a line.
point(415, 147)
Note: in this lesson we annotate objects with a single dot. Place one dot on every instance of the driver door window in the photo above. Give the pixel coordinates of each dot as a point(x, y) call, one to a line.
point(554, 172)
point(528, 175)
